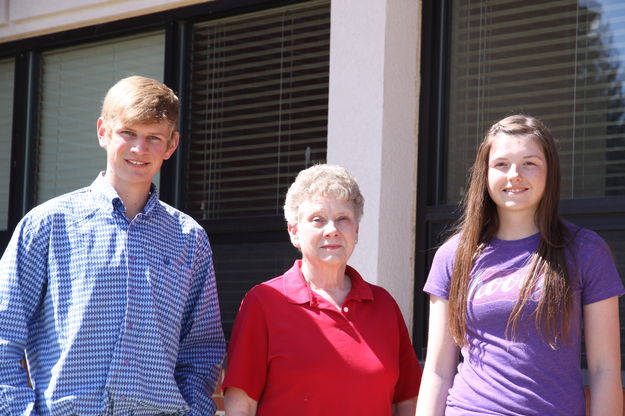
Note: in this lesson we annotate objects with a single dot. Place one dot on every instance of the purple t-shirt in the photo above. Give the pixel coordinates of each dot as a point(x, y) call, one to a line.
point(525, 376)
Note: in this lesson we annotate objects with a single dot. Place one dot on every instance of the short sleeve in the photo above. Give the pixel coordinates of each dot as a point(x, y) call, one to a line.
point(439, 278)
point(247, 352)
point(599, 277)
point(409, 379)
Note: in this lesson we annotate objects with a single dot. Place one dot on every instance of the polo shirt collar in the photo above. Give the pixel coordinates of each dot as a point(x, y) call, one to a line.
point(297, 291)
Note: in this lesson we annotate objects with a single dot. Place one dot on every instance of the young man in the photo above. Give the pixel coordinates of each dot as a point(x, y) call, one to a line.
point(108, 291)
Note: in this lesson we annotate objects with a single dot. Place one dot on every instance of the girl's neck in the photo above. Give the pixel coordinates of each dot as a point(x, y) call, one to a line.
point(515, 226)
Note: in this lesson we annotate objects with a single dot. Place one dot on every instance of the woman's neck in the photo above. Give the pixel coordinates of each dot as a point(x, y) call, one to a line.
point(324, 276)
point(328, 281)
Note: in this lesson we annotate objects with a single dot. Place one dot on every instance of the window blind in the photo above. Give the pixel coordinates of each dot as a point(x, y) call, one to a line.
point(7, 73)
point(258, 108)
point(562, 61)
point(74, 82)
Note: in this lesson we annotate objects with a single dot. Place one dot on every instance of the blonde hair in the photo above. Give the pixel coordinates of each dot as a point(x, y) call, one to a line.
point(320, 181)
point(138, 99)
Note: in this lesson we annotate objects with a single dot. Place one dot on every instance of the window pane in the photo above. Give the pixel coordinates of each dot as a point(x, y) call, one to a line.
point(562, 61)
point(258, 110)
point(7, 72)
point(74, 81)
point(239, 267)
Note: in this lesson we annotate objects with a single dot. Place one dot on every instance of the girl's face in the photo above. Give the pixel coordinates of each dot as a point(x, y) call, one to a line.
point(517, 174)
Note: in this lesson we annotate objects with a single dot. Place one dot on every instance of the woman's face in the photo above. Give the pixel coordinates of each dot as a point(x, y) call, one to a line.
point(326, 231)
point(517, 174)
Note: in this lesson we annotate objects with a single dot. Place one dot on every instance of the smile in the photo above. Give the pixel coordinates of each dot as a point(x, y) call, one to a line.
point(515, 190)
point(134, 162)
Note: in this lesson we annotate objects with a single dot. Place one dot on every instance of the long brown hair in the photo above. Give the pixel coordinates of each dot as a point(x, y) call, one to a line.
point(479, 223)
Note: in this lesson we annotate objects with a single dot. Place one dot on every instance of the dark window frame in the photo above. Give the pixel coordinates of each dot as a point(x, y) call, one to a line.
point(432, 110)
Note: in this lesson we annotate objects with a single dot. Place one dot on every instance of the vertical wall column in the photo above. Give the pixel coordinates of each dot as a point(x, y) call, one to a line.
point(372, 131)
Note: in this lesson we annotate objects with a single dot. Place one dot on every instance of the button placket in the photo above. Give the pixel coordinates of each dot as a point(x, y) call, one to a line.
point(124, 373)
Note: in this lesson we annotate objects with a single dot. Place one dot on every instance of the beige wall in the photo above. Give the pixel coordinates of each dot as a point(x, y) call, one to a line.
point(26, 18)
point(372, 131)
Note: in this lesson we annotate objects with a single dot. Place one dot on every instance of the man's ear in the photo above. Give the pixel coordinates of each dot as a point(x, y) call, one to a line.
point(102, 133)
point(292, 228)
point(172, 145)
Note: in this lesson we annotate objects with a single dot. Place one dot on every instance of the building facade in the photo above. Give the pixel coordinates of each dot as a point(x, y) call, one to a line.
point(398, 92)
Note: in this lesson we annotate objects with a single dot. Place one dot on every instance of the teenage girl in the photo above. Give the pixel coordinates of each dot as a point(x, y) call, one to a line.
point(514, 289)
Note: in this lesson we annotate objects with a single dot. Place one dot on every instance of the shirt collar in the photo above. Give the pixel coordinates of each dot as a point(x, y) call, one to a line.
point(297, 291)
point(105, 192)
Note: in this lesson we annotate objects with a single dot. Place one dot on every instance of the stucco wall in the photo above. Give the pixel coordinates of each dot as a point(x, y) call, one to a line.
point(372, 131)
point(26, 18)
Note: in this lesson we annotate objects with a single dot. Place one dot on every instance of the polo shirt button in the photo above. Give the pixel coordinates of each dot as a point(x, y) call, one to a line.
point(345, 309)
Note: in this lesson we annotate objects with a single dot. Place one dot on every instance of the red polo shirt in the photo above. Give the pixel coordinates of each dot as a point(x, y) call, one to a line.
point(296, 354)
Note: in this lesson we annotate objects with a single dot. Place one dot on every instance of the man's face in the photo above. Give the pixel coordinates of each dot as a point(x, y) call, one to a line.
point(135, 152)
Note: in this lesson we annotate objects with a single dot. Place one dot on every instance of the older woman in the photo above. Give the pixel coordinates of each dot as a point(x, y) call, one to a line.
point(319, 340)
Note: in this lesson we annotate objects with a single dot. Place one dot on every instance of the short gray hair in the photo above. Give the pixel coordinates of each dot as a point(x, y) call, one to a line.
point(320, 181)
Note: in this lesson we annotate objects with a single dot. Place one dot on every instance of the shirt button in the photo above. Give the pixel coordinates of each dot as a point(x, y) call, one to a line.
point(345, 309)
point(133, 257)
point(129, 325)
point(127, 362)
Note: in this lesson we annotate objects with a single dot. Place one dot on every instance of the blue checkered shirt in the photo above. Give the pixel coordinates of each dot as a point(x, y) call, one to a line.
point(116, 317)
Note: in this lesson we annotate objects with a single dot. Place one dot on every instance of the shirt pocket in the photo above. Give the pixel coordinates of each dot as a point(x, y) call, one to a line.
point(170, 282)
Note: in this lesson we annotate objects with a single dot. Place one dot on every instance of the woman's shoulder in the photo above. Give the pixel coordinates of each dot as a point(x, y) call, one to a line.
point(288, 285)
point(380, 293)
point(268, 286)
point(263, 297)
point(366, 290)
point(384, 301)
